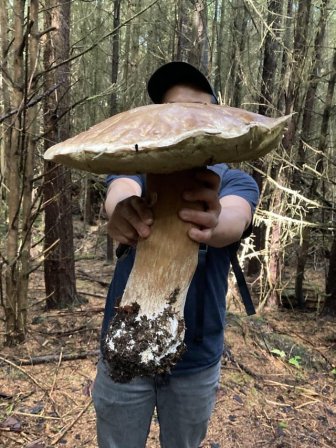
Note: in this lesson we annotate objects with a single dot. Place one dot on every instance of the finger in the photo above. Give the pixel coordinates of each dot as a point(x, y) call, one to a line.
point(123, 232)
point(200, 218)
point(127, 215)
point(143, 210)
point(200, 235)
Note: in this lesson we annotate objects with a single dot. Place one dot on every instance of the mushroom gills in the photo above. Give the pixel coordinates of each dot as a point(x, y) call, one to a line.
point(146, 334)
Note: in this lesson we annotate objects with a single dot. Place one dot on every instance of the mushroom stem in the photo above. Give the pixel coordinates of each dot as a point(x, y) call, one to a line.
point(146, 335)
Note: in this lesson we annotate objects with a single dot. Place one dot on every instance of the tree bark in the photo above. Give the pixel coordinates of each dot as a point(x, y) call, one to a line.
point(59, 266)
point(218, 83)
point(199, 55)
point(307, 125)
point(113, 98)
point(15, 308)
point(330, 302)
point(239, 42)
point(266, 107)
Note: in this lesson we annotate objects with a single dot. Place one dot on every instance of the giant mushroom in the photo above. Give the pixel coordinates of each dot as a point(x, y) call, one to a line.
point(166, 142)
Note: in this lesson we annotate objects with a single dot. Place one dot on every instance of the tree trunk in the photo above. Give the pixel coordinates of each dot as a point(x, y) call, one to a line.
point(330, 303)
point(113, 97)
point(266, 107)
point(199, 55)
point(219, 84)
point(239, 41)
point(27, 217)
point(182, 32)
point(292, 102)
point(15, 307)
point(307, 125)
point(59, 266)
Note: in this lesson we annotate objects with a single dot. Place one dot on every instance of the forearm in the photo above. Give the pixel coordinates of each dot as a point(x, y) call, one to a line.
point(231, 225)
point(119, 190)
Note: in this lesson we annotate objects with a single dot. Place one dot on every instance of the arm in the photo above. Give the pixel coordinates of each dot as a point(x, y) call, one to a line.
point(129, 215)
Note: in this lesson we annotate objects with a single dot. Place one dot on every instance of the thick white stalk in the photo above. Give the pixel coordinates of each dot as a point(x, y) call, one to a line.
point(146, 335)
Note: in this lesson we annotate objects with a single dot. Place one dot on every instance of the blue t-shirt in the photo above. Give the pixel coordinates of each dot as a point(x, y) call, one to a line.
point(204, 336)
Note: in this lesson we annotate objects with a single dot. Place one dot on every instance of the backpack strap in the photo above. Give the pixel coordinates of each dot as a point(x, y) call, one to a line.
point(241, 282)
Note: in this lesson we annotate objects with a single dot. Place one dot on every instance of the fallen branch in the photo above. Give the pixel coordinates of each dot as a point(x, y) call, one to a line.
point(98, 309)
point(98, 296)
point(66, 333)
point(35, 360)
point(94, 279)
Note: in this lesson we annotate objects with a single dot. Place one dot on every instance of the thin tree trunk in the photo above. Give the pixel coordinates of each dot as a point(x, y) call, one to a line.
point(292, 102)
point(239, 34)
point(213, 37)
point(266, 102)
point(330, 303)
point(113, 97)
point(307, 124)
point(182, 32)
point(15, 316)
point(28, 159)
point(285, 65)
point(59, 266)
point(199, 55)
point(218, 84)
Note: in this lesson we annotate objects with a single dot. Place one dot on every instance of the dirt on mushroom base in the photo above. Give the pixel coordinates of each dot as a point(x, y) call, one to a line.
point(139, 345)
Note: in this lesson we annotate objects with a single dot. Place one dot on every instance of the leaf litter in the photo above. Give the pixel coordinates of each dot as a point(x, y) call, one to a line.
point(262, 400)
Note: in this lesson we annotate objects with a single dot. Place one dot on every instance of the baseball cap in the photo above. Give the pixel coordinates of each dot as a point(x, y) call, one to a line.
point(174, 73)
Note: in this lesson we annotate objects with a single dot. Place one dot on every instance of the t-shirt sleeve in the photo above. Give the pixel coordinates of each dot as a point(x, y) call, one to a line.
point(136, 177)
point(238, 183)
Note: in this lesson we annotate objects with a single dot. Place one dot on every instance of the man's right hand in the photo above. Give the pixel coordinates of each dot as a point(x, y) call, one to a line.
point(130, 220)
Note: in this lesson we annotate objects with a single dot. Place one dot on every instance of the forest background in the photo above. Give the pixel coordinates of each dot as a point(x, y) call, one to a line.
point(66, 65)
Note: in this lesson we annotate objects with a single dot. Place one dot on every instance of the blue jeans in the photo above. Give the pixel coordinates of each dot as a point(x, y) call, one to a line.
point(183, 404)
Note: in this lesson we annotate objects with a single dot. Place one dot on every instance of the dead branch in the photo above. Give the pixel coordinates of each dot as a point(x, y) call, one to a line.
point(36, 360)
point(94, 279)
point(66, 333)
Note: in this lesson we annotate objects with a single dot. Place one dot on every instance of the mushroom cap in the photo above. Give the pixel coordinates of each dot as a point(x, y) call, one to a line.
point(163, 138)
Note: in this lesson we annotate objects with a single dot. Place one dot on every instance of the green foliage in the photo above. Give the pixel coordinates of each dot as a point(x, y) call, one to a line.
point(279, 353)
point(293, 360)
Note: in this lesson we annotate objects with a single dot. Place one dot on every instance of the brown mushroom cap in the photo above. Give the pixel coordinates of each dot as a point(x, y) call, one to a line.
point(163, 138)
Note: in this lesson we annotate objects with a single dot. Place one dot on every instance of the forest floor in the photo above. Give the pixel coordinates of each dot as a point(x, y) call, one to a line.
point(277, 385)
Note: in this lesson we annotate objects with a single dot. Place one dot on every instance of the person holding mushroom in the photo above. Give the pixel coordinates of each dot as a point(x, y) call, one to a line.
point(214, 209)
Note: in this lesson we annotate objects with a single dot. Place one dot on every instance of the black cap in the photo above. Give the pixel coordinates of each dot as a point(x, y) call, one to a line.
point(174, 73)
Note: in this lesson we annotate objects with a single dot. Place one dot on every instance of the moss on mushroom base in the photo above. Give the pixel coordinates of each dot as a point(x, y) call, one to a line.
point(141, 345)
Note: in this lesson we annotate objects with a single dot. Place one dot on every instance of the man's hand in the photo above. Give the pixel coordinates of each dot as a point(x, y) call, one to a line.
point(206, 220)
point(131, 219)
point(222, 221)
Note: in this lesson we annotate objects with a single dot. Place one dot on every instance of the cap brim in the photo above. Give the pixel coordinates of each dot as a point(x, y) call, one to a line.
point(175, 73)
point(163, 138)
